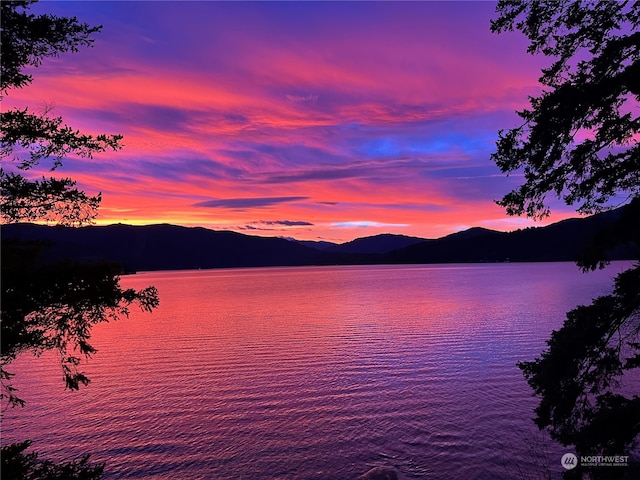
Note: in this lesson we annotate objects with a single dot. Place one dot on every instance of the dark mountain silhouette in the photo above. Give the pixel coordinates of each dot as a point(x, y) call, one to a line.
point(470, 233)
point(170, 247)
point(383, 243)
point(561, 241)
point(163, 247)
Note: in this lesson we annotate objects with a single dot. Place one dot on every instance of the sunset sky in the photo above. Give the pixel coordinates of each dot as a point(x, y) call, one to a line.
point(319, 121)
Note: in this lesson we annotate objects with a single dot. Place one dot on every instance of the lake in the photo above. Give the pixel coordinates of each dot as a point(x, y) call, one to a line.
point(313, 373)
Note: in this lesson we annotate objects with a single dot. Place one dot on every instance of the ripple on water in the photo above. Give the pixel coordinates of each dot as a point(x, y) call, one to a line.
point(311, 373)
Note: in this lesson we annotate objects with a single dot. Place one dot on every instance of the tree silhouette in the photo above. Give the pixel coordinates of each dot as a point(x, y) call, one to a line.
point(48, 306)
point(28, 138)
point(19, 465)
point(579, 142)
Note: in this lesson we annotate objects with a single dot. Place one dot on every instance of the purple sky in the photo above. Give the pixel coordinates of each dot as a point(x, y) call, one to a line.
point(322, 120)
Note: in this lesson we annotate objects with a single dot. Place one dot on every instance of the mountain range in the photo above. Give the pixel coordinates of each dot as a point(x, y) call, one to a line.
point(171, 247)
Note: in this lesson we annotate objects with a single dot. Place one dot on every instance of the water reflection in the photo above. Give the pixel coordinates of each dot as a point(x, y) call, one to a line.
point(311, 373)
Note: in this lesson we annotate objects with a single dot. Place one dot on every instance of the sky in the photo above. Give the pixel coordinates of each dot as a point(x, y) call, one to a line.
point(310, 120)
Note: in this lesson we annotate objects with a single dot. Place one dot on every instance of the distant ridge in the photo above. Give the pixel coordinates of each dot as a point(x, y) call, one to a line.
point(561, 241)
point(383, 243)
point(317, 244)
point(171, 247)
point(473, 232)
point(163, 247)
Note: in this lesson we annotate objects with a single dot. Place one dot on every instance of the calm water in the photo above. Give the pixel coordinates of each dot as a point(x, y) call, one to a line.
point(314, 373)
